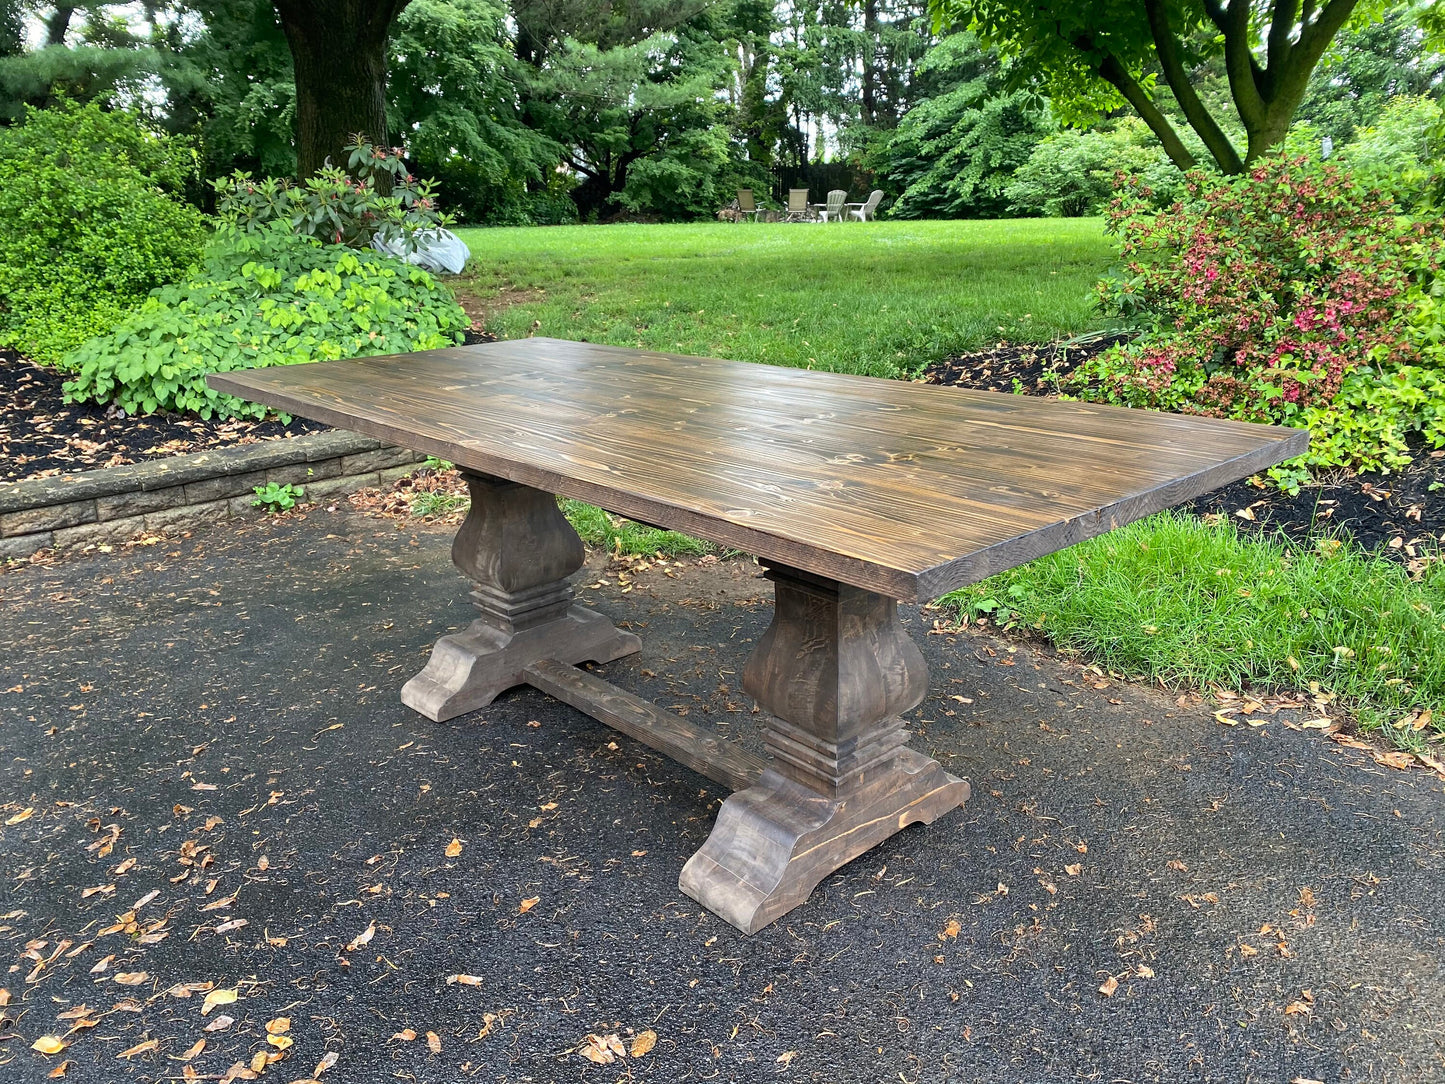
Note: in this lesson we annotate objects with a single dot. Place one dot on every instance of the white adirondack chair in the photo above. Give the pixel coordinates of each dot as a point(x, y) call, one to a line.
point(832, 211)
point(867, 209)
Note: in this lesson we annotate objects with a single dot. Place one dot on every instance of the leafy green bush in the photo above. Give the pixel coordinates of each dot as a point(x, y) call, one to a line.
point(91, 224)
point(1292, 295)
point(375, 196)
point(261, 300)
point(1400, 153)
point(1071, 173)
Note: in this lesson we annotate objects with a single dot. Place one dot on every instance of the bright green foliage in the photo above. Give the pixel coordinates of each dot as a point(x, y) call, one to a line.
point(374, 196)
point(1175, 600)
point(88, 224)
point(1095, 56)
point(883, 299)
point(453, 85)
point(262, 300)
point(1399, 151)
point(954, 154)
point(1368, 68)
point(275, 497)
point(639, 123)
point(1072, 173)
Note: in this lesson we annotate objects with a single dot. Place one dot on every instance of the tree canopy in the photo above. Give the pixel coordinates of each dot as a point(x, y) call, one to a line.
point(1093, 56)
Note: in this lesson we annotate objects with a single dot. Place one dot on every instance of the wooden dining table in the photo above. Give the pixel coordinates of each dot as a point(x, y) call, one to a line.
point(854, 493)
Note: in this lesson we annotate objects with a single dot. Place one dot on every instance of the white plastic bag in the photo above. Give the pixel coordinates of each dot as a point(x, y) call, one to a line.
point(436, 250)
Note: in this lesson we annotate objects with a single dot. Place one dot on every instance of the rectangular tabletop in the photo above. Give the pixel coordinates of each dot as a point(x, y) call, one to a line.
point(906, 489)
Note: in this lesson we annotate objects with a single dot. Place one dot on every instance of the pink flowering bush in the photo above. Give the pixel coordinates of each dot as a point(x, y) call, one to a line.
point(1286, 295)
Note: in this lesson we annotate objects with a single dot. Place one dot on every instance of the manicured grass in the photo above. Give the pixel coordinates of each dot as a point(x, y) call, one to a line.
point(1188, 603)
point(884, 298)
point(616, 535)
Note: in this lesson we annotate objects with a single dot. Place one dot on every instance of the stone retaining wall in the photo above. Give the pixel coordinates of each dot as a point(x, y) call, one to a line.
point(92, 507)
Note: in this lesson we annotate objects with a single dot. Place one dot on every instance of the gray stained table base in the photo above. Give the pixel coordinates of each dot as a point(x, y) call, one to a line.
point(833, 672)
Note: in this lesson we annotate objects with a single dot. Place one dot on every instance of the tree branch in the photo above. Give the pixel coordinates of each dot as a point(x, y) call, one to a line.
point(1199, 117)
point(1280, 27)
point(1117, 75)
point(1240, 65)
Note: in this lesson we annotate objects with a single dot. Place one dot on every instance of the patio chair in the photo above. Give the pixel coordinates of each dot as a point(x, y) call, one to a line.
point(746, 204)
point(869, 208)
point(832, 211)
point(798, 210)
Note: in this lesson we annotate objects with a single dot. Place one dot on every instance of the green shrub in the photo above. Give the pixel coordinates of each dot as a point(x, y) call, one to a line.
point(375, 196)
point(1290, 294)
point(1071, 173)
point(261, 300)
point(91, 224)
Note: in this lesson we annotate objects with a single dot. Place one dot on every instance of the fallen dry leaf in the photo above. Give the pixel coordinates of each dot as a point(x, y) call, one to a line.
point(464, 980)
point(258, 1061)
point(327, 1061)
point(1075, 869)
point(124, 867)
point(59, 1071)
point(454, 848)
point(102, 965)
point(48, 1044)
point(1144, 971)
point(4, 997)
point(362, 938)
point(279, 1026)
point(220, 1023)
point(280, 1042)
point(950, 929)
point(643, 1043)
point(527, 904)
point(194, 1049)
point(139, 1048)
point(132, 978)
point(1109, 986)
point(24, 815)
point(433, 1040)
point(406, 1035)
point(787, 1058)
point(217, 997)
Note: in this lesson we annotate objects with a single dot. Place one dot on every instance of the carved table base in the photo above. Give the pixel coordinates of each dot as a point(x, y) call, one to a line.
point(834, 671)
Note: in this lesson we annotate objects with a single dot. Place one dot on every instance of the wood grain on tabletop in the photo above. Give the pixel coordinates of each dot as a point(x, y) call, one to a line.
point(906, 489)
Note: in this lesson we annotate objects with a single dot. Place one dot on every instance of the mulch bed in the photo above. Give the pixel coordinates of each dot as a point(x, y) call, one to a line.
point(1401, 514)
point(41, 435)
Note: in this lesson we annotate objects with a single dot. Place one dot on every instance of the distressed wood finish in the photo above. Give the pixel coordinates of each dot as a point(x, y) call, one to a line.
point(856, 492)
point(721, 761)
point(834, 670)
point(905, 489)
point(518, 549)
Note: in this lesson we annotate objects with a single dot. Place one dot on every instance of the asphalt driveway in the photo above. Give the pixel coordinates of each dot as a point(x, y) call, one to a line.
point(208, 778)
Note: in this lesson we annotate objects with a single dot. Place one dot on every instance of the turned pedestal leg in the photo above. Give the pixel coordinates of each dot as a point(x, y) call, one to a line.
point(834, 670)
point(519, 549)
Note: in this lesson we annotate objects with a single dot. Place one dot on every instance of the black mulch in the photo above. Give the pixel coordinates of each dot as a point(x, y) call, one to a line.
point(42, 435)
point(1400, 513)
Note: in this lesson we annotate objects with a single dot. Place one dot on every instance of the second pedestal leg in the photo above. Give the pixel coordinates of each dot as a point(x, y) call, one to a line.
point(834, 670)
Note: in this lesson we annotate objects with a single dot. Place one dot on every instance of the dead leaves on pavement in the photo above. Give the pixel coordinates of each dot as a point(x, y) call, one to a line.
point(606, 1049)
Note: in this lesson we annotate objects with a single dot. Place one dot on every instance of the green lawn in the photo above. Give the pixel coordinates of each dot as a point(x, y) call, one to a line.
point(884, 298)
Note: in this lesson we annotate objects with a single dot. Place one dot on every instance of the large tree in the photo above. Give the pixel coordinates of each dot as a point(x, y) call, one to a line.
point(338, 50)
point(1091, 56)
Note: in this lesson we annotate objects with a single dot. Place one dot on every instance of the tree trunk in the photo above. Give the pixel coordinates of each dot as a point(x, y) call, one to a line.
point(870, 61)
point(338, 48)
